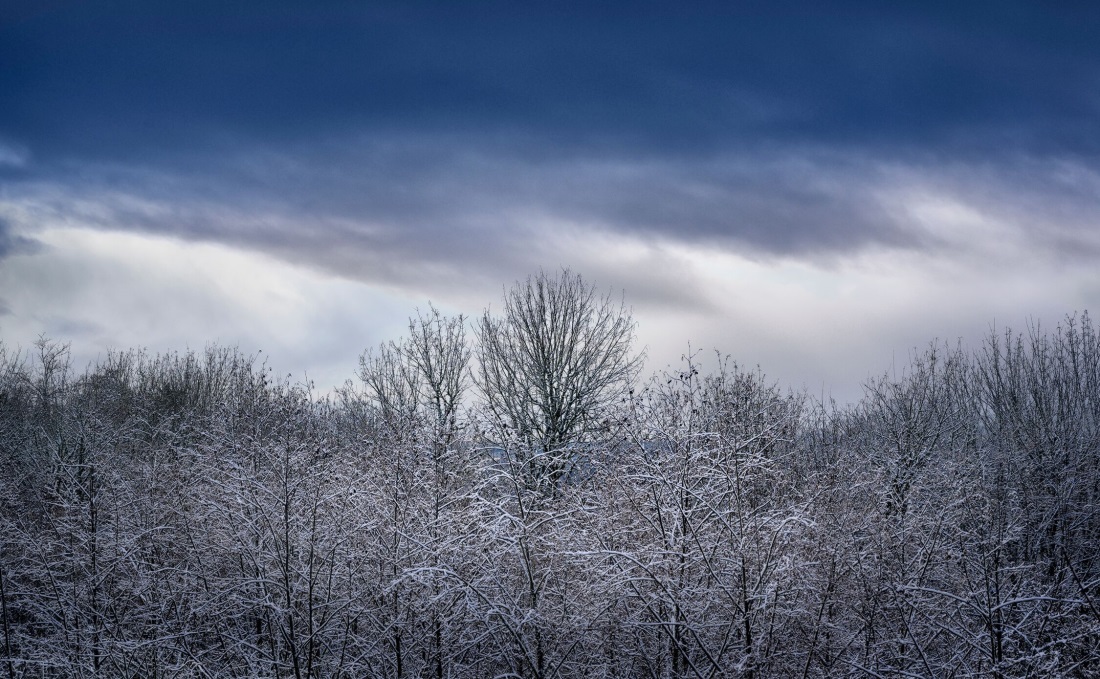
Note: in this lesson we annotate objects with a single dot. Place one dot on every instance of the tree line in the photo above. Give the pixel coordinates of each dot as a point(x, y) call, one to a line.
point(507, 498)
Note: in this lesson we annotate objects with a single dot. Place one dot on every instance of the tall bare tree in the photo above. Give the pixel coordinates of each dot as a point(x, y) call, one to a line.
point(552, 365)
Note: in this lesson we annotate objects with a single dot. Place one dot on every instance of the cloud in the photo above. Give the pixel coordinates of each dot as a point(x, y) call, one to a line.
point(255, 254)
point(12, 243)
point(396, 212)
point(109, 289)
point(709, 161)
point(420, 216)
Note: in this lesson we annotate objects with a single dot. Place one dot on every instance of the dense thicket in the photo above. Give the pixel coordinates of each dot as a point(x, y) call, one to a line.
point(189, 515)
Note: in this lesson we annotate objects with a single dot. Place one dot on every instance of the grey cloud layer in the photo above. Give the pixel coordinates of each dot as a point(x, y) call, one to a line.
point(393, 213)
point(414, 213)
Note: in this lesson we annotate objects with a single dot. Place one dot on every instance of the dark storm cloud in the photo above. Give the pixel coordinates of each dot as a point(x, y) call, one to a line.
point(117, 78)
point(389, 141)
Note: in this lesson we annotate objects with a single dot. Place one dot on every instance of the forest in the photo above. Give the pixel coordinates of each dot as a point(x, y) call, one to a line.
point(508, 496)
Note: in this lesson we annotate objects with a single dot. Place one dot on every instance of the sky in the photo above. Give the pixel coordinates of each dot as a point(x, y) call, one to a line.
point(819, 189)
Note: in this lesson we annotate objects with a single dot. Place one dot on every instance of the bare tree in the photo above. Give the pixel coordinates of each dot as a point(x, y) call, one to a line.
point(392, 386)
point(421, 379)
point(438, 350)
point(552, 365)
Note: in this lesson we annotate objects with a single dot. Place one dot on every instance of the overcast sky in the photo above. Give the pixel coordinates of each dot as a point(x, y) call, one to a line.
point(817, 188)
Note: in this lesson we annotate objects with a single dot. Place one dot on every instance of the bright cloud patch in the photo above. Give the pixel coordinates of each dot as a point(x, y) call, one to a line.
point(105, 289)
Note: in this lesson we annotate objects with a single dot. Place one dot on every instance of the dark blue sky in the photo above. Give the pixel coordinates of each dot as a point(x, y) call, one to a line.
point(423, 148)
point(125, 80)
